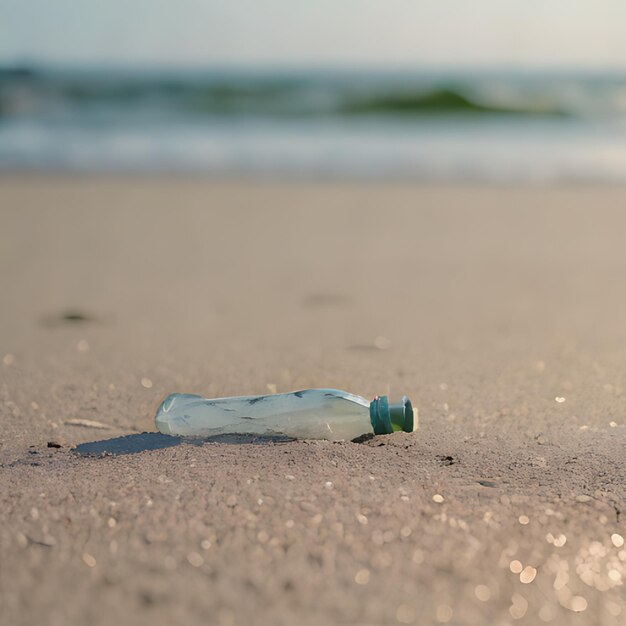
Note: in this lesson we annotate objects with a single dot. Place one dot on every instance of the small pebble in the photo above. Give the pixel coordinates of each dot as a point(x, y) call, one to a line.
point(89, 560)
point(146, 383)
point(438, 498)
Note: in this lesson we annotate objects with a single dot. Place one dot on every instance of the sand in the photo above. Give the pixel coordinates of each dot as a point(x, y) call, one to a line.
point(499, 311)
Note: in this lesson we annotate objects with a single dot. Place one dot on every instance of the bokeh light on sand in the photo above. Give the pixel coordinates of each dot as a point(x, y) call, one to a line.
point(562, 577)
point(405, 614)
point(482, 592)
point(527, 575)
point(362, 577)
point(614, 608)
point(195, 560)
point(444, 613)
point(547, 613)
point(578, 604)
point(519, 606)
point(558, 542)
point(598, 566)
point(615, 576)
point(418, 557)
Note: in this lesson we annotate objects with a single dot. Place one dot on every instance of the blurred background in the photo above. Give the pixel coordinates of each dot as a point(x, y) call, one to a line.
point(435, 90)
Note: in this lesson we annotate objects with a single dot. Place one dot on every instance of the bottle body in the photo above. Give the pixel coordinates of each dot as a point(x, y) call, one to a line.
point(309, 414)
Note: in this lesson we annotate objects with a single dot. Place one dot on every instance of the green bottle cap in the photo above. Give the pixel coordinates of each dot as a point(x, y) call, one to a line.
point(387, 417)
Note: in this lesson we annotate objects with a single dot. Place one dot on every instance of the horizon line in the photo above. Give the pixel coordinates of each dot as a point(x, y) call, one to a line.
point(387, 67)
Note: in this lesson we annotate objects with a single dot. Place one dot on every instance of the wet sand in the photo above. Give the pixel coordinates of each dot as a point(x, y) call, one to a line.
point(499, 311)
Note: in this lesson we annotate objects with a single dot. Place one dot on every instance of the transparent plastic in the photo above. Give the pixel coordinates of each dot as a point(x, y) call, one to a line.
point(309, 414)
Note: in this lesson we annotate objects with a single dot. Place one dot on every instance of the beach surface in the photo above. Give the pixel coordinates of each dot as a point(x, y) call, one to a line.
point(499, 311)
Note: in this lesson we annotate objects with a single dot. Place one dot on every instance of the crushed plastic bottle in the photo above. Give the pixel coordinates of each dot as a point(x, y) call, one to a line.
point(309, 414)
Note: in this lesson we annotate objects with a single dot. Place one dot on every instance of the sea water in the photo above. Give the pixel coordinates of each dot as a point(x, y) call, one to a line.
point(417, 125)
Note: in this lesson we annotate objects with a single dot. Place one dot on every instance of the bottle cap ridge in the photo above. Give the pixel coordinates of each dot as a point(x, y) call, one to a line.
point(387, 417)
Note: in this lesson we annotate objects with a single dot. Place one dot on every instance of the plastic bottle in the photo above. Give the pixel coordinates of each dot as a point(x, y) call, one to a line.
point(308, 414)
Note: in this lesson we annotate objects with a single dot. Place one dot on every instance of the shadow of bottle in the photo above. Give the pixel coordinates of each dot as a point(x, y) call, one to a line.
point(132, 444)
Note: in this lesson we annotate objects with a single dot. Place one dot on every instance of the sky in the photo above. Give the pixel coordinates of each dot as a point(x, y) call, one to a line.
point(521, 33)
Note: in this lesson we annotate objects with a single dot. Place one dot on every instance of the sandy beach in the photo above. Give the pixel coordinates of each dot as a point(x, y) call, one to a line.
point(498, 310)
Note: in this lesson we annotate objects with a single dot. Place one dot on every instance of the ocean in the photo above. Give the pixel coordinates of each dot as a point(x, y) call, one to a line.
point(423, 125)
